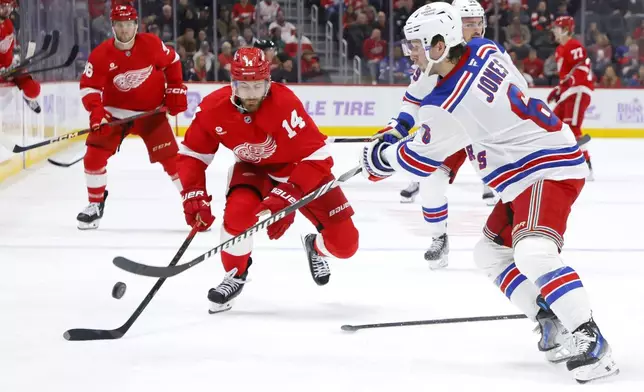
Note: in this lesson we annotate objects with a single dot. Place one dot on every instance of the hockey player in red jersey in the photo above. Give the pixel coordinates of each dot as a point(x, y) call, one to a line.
point(125, 76)
point(281, 156)
point(30, 88)
point(576, 81)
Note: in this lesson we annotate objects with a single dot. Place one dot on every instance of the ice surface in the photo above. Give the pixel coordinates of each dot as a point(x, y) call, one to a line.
point(283, 334)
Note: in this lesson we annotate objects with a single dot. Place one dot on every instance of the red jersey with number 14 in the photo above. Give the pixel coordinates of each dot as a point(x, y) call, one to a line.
point(280, 137)
point(574, 66)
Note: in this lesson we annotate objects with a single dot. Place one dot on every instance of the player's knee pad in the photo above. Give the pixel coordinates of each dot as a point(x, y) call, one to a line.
point(239, 212)
point(536, 255)
point(341, 239)
point(96, 159)
point(433, 188)
point(492, 258)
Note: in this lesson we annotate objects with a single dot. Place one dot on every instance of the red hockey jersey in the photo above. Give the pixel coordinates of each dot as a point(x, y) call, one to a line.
point(7, 42)
point(280, 137)
point(575, 72)
point(130, 81)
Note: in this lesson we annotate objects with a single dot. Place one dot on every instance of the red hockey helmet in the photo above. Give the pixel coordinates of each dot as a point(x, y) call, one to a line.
point(250, 64)
point(566, 23)
point(8, 2)
point(122, 11)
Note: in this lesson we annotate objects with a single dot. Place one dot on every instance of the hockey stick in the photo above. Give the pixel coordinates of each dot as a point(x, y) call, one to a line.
point(65, 164)
point(166, 272)
point(354, 328)
point(583, 140)
point(45, 52)
point(75, 134)
point(31, 49)
point(78, 334)
point(70, 59)
point(349, 139)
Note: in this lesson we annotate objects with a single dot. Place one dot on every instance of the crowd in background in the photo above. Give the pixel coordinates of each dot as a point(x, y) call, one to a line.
point(614, 36)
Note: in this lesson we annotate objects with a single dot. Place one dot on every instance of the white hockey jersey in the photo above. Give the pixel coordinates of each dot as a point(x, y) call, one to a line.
point(421, 85)
point(512, 140)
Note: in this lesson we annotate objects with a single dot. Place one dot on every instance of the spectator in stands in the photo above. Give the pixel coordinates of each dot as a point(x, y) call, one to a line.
point(188, 41)
point(562, 9)
point(204, 22)
point(308, 59)
point(234, 38)
point(204, 51)
point(243, 13)
point(550, 70)
point(276, 38)
point(225, 58)
point(370, 11)
point(382, 24)
point(290, 47)
point(267, 11)
point(541, 18)
point(602, 43)
point(316, 75)
point(248, 37)
point(402, 70)
point(224, 23)
point(600, 63)
point(198, 73)
point(201, 37)
point(188, 21)
point(517, 38)
point(533, 65)
point(639, 31)
point(402, 11)
point(632, 61)
point(610, 78)
point(286, 28)
point(286, 72)
point(528, 78)
point(186, 64)
point(637, 80)
point(591, 32)
point(374, 50)
point(355, 35)
point(166, 24)
point(516, 10)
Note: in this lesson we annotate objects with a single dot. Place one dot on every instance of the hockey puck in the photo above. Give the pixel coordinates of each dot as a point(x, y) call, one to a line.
point(118, 291)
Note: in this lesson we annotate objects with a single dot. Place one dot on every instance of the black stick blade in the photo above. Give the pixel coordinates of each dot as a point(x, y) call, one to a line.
point(82, 334)
point(348, 328)
point(148, 270)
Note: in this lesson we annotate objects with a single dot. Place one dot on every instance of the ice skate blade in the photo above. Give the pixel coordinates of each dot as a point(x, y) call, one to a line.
point(88, 226)
point(599, 370)
point(438, 264)
point(407, 200)
point(219, 308)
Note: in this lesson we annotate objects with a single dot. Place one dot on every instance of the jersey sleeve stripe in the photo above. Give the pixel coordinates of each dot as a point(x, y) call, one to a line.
point(459, 92)
point(486, 49)
point(88, 90)
point(415, 163)
point(507, 175)
point(410, 98)
point(187, 151)
point(320, 154)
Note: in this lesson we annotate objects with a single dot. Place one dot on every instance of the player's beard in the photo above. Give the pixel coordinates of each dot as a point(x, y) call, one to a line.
point(251, 104)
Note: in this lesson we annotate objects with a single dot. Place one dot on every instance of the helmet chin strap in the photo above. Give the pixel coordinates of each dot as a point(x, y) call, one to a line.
point(120, 42)
point(431, 62)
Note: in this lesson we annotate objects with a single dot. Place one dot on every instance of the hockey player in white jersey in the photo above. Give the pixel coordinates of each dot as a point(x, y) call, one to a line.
point(432, 189)
point(529, 156)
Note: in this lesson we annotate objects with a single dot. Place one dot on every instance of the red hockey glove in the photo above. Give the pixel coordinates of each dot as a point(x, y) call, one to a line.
point(196, 207)
point(98, 117)
point(280, 197)
point(176, 99)
point(554, 95)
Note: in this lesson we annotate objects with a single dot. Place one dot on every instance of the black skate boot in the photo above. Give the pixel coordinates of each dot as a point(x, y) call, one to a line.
point(33, 105)
point(592, 359)
point(221, 297)
point(91, 216)
point(318, 264)
point(408, 194)
point(437, 253)
point(556, 341)
point(591, 176)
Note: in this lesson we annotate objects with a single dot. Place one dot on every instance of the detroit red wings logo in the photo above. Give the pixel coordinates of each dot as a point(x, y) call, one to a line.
point(132, 79)
point(253, 153)
point(5, 44)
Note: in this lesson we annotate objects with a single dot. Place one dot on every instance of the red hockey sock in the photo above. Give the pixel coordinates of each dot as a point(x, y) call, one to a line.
point(232, 261)
point(95, 163)
point(29, 87)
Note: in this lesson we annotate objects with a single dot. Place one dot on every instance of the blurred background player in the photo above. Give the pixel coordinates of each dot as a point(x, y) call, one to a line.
point(524, 151)
point(434, 187)
point(268, 47)
point(30, 88)
point(125, 76)
point(281, 156)
point(576, 80)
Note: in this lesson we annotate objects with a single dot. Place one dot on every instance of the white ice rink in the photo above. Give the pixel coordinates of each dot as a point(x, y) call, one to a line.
point(283, 334)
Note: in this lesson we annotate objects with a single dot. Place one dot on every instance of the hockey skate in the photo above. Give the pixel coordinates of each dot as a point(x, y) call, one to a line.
point(408, 194)
point(318, 264)
point(437, 253)
point(90, 217)
point(33, 105)
point(556, 341)
point(591, 176)
point(221, 297)
point(489, 197)
point(592, 359)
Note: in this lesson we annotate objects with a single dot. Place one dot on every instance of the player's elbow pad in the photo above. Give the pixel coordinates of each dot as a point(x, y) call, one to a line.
point(309, 174)
point(173, 73)
point(192, 171)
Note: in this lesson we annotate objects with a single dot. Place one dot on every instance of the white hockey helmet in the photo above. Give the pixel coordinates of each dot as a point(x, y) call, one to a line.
point(470, 9)
point(431, 20)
